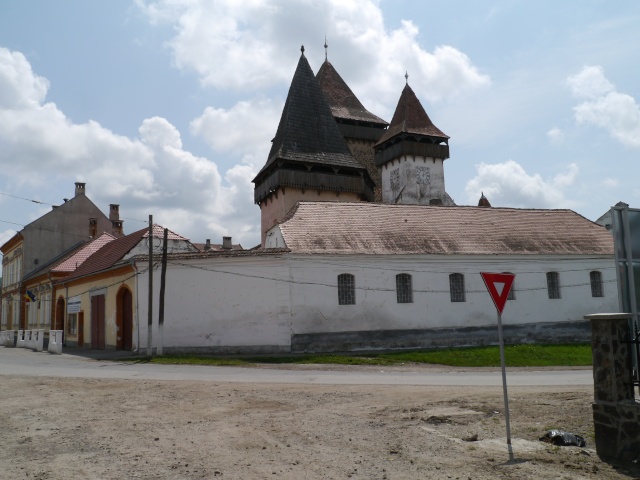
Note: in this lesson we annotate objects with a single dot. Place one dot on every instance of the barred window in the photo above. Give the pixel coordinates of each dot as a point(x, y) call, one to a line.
point(596, 284)
point(456, 287)
point(346, 289)
point(404, 289)
point(553, 285)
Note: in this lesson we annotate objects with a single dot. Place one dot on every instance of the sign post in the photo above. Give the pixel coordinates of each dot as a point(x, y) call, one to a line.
point(499, 300)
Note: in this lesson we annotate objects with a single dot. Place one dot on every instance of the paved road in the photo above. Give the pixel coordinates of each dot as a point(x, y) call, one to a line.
point(19, 361)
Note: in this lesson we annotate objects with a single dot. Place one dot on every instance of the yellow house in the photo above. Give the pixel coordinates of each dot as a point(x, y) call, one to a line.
point(97, 301)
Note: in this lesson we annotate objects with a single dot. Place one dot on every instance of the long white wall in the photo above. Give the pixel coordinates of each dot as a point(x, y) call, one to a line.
point(259, 302)
point(315, 306)
point(220, 303)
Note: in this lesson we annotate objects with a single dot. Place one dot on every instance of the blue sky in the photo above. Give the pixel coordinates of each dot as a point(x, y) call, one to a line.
point(168, 107)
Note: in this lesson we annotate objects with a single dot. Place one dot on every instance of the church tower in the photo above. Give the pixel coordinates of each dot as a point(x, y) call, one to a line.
point(309, 158)
point(359, 127)
point(411, 156)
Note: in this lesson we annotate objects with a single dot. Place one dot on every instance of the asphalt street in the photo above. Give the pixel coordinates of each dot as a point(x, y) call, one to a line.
point(24, 362)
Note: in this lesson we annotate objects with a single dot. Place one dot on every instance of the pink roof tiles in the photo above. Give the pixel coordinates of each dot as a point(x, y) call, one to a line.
point(76, 259)
point(367, 228)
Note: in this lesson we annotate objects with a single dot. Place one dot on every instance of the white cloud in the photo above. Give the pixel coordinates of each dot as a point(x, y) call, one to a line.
point(153, 174)
point(610, 183)
point(253, 45)
point(605, 107)
point(507, 184)
point(556, 136)
point(246, 128)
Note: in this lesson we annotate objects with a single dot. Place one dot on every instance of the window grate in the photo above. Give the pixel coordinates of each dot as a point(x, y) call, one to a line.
point(404, 288)
point(456, 287)
point(596, 284)
point(346, 289)
point(553, 285)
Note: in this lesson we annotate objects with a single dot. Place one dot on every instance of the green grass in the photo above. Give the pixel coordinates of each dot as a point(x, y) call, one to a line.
point(515, 356)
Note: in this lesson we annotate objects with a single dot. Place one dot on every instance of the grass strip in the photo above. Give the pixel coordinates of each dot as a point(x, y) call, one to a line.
point(515, 356)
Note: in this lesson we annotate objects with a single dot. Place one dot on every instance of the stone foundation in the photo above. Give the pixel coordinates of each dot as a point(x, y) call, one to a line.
point(616, 413)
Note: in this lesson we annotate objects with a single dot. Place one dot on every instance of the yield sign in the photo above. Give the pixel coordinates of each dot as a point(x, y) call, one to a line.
point(495, 282)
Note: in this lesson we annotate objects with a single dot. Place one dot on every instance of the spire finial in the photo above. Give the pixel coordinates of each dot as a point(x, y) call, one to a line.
point(325, 48)
point(406, 77)
point(302, 49)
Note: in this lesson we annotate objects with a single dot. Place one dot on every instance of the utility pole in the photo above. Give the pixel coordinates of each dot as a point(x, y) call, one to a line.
point(163, 276)
point(150, 319)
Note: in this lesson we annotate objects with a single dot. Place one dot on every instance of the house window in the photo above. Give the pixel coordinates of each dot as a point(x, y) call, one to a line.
point(346, 289)
point(553, 285)
point(404, 290)
point(72, 323)
point(596, 284)
point(456, 287)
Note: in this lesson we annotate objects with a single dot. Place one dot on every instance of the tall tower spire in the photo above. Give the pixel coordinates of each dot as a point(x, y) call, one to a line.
point(309, 157)
point(411, 155)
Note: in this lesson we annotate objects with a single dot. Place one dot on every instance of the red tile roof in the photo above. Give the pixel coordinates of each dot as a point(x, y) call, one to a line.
point(73, 261)
point(367, 228)
point(112, 252)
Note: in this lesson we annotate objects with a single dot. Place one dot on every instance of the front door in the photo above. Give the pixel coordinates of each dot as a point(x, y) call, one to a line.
point(58, 322)
point(97, 322)
point(127, 320)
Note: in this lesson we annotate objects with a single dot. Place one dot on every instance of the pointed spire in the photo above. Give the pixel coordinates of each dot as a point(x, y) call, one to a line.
point(484, 201)
point(307, 131)
point(302, 49)
point(406, 77)
point(343, 102)
point(410, 117)
point(325, 49)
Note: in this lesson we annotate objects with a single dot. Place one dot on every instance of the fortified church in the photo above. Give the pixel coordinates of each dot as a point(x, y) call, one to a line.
point(361, 248)
point(329, 147)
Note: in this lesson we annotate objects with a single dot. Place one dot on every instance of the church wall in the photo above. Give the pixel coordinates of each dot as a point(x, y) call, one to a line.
point(221, 304)
point(377, 320)
point(274, 208)
point(414, 180)
point(362, 151)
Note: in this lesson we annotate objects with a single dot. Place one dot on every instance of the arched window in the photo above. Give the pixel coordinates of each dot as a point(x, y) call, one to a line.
point(456, 287)
point(553, 285)
point(404, 288)
point(346, 289)
point(596, 284)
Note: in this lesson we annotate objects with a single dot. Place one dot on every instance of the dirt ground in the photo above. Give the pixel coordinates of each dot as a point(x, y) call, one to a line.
point(61, 428)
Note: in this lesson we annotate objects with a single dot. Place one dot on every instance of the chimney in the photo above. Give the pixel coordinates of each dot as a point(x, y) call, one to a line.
point(93, 227)
point(226, 243)
point(207, 245)
point(116, 228)
point(80, 190)
point(114, 212)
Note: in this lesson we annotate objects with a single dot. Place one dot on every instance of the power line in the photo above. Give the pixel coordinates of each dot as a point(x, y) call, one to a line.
point(26, 199)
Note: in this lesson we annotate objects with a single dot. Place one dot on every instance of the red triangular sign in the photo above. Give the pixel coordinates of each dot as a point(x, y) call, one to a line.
point(504, 279)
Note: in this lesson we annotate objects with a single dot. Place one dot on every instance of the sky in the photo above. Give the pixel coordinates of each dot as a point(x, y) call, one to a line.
point(167, 107)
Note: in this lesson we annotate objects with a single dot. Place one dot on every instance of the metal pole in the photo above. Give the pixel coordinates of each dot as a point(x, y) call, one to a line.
point(150, 318)
point(163, 275)
point(504, 386)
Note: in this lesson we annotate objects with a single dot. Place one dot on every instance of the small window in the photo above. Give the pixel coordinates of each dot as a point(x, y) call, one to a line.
point(404, 289)
point(346, 289)
point(72, 323)
point(553, 285)
point(596, 284)
point(456, 287)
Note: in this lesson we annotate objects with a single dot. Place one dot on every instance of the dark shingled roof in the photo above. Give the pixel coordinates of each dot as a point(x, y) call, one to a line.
point(307, 131)
point(410, 117)
point(370, 228)
point(343, 102)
